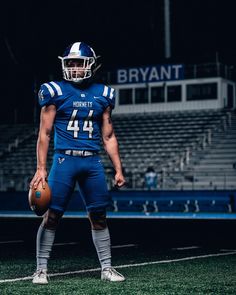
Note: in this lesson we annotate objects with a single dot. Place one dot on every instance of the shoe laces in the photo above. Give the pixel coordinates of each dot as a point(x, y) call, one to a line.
point(40, 272)
point(112, 271)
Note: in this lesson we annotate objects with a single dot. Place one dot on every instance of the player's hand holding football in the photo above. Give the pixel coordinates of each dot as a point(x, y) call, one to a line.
point(119, 179)
point(40, 176)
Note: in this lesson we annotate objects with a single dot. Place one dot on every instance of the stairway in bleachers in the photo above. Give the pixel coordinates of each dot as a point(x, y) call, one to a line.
point(213, 167)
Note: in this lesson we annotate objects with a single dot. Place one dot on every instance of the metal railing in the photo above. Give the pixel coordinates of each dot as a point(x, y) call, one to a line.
point(166, 180)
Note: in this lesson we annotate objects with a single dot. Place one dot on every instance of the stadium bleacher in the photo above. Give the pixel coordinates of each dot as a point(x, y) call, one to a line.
point(12, 135)
point(174, 143)
point(214, 166)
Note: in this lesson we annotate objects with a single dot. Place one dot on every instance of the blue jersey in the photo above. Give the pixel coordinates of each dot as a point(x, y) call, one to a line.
point(78, 120)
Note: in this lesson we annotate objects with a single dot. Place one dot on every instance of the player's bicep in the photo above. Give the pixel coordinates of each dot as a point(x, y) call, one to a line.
point(47, 118)
point(107, 126)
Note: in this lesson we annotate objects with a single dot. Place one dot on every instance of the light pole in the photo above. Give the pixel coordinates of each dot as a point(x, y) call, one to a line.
point(167, 28)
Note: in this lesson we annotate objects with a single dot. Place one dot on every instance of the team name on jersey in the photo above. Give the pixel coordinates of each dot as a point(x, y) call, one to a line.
point(82, 104)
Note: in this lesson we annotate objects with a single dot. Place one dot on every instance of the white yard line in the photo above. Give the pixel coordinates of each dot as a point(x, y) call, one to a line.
point(68, 243)
point(186, 248)
point(114, 247)
point(123, 266)
point(11, 242)
point(65, 244)
point(124, 246)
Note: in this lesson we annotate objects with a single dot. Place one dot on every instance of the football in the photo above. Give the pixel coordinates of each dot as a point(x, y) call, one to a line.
point(39, 199)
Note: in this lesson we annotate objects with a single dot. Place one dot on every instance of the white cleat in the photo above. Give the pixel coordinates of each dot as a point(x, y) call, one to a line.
point(40, 277)
point(110, 274)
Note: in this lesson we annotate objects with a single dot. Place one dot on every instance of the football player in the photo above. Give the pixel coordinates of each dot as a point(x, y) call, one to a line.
point(80, 112)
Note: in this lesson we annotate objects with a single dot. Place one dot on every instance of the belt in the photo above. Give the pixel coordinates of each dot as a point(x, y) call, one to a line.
point(77, 153)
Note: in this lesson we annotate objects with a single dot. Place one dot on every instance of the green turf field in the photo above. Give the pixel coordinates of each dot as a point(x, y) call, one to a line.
point(148, 268)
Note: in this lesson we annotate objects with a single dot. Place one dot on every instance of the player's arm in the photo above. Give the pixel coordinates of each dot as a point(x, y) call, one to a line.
point(47, 117)
point(111, 146)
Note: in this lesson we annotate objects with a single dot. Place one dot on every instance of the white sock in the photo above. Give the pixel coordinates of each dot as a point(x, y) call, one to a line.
point(102, 243)
point(44, 242)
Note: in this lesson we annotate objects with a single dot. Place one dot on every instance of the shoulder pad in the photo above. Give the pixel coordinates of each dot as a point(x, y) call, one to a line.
point(106, 93)
point(48, 92)
point(109, 94)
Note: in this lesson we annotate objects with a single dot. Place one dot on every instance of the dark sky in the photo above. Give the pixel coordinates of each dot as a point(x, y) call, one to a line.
point(124, 33)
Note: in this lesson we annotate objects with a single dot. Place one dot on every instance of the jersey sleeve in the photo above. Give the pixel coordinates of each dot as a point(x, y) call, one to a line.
point(46, 95)
point(109, 96)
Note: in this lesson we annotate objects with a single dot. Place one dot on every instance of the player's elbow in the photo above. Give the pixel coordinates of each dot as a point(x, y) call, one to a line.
point(110, 143)
point(108, 138)
point(44, 135)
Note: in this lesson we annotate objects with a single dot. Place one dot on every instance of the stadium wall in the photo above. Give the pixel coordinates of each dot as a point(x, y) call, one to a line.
point(132, 203)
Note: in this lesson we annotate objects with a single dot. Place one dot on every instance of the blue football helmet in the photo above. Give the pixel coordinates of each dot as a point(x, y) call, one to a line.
point(79, 62)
